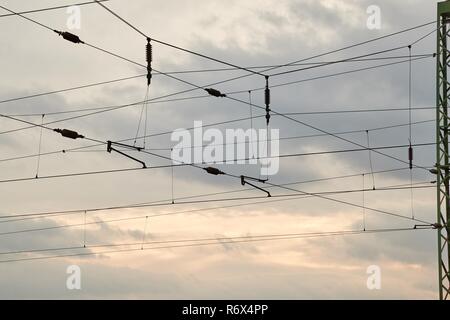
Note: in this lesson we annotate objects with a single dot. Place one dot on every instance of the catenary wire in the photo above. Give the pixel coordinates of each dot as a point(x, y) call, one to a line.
point(351, 232)
point(50, 8)
point(163, 201)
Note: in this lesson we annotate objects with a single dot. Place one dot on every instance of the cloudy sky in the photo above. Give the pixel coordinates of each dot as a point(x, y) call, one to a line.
point(245, 33)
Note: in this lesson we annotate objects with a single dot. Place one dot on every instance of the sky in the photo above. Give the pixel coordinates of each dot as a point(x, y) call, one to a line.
point(245, 33)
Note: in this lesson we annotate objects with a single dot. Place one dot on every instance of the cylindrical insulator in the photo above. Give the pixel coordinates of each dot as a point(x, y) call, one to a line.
point(69, 133)
point(71, 37)
point(149, 52)
point(213, 171)
point(410, 157)
point(267, 96)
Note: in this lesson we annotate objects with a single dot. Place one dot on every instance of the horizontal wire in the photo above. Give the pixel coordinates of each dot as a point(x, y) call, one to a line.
point(330, 134)
point(226, 122)
point(108, 52)
point(287, 117)
point(338, 61)
point(291, 196)
point(303, 192)
point(162, 202)
point(26, 18)
point(50, 8)
point(172, 72)
point(302, 60)
point(423, 55)
point(240, 178)
point(47, 27)
point(264, 140)
point(321, 112)
point(69, 89)
point(43, 126)
point(260, 107)
point(308, 125)
point(350, 204)
point(273, 86)
point(236, 240)
point(157, 99)
point(186, 82)
point(177, 47)
point(66, 175)
point(358, 44)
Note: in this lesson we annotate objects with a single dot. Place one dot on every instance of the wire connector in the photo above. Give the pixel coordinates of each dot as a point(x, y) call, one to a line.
point(69, 133)
point(69, 36)
point(215, 93)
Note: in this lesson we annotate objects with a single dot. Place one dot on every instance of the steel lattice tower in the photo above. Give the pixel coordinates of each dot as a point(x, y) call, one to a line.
point(442, 148)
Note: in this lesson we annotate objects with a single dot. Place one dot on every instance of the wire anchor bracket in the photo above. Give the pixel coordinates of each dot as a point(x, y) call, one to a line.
point(244, 181)
point(110, 148)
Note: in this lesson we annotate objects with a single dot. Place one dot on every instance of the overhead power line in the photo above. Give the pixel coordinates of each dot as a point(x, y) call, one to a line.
point(175, 201)
point(159, 99)
point(338, 61)
point(63, 132)
point(318, 112)
point(257, 106)
point(229, 240)
point(331, 75)
point(253, 141)
point(291, 155)
point(287, 197)
point(113, 54)
point(69, 89)
point(298, 61)
point(274, 236)
point(84, 148)
point(178, 72)
point(77, 40)
point(164, 201)
point(241, 178)
point(177, 47)
point(51, 8)
point(265, 108)
point(325, 132)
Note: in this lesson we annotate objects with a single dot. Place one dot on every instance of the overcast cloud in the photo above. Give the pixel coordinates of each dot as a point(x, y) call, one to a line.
point(246, 33)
